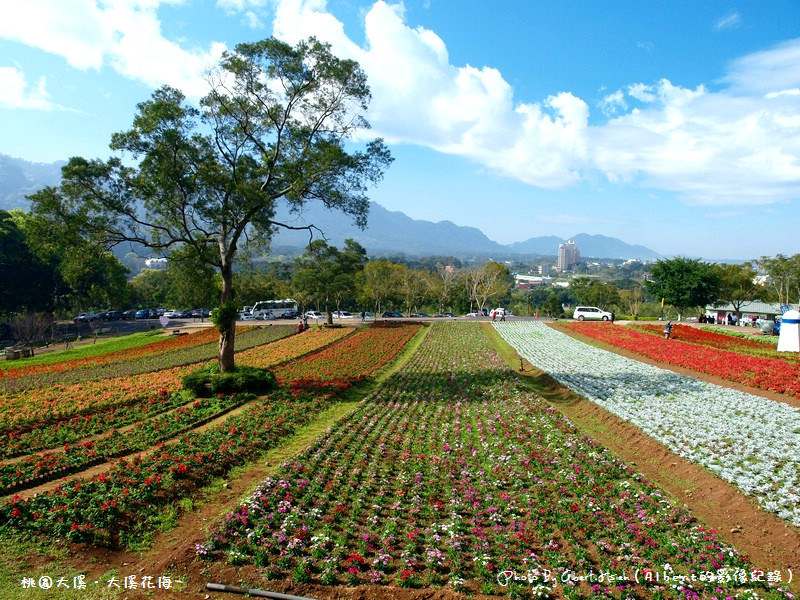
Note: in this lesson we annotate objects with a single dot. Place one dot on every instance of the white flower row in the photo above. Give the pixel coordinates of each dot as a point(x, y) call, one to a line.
point(750, 441)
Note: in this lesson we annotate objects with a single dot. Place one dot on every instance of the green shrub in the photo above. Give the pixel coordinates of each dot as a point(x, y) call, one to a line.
point(208, 381)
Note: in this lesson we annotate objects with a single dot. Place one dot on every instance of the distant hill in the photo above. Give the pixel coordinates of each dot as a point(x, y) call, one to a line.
point(388, 233)
point(19, 178)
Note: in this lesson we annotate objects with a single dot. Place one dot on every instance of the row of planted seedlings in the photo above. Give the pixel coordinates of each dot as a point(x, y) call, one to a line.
point(105, 508)
point(33, 419)
point(748, 440)
point(766, 373)
point(155, 346)
point(79, 453)
point(452, 474)
point(762, 345)
point(247, 336)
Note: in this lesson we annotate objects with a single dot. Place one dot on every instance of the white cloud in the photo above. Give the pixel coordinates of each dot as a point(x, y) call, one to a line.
point(249, 10)
point(732, 20)
point(736, 146)
point(613, 103)
point(125, 34)
point(15, 93)
point(771, 70)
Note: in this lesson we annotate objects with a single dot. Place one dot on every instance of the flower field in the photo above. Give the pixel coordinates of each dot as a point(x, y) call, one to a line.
point(773, 374)
point(721, 341)
point(249, 337)
point(102, 509)
point(747, 440)
point(156, 347)
point(453, 474)
point(22, 410)
point(351, 360)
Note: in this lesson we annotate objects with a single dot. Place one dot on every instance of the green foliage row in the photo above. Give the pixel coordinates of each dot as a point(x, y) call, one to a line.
point(208, 381)
point(767, 340)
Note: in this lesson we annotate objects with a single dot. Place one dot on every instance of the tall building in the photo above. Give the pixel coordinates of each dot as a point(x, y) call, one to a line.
point(568, 256)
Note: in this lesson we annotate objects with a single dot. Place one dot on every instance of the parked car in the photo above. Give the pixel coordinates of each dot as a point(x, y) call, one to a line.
point(499, 313)
point(585, 313)
point(314, 314)
point(172, 313)
point(474, 314)
point(142, 314)
point(290, 314)
point(114, 315)
point(342, 314)
point(246, 316)
point(200, 313)
point(85, 317)
point(447, 314)
point(129, 315)
point(420, 315)
point(390, 314)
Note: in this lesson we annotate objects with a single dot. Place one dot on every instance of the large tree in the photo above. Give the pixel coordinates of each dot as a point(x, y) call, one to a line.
point(276, 126)
point(33, 291)
point(738, 286)
point(684, 283)
point(491, 282)
point(595, 293)
point(783, 276)
point(327, 275)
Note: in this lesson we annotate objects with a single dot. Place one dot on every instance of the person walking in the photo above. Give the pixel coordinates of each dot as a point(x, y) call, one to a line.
point(613, 316)
point(668, 330)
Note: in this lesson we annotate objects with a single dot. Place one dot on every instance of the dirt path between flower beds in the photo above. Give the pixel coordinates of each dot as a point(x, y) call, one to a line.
point(769, 542)
point(103, 467)
point(173, 552)
point(785, 398)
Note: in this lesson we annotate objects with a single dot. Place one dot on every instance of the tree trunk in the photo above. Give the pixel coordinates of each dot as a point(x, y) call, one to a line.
point(227, 328)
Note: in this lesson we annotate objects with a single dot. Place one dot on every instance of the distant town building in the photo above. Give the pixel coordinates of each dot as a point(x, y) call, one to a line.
point(528, 281)
point(156, 264)
point(568, 256)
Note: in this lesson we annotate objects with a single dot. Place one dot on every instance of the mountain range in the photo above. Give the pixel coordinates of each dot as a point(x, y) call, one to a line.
point(388, 232)
point(19, 178)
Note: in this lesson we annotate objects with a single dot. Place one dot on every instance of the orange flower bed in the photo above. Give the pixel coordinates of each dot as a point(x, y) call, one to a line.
point(349, 360)
point(205, 336)
point(42, 405)
point(291, 347)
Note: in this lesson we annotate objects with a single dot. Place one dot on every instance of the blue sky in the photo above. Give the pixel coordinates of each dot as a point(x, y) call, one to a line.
point(675, 125)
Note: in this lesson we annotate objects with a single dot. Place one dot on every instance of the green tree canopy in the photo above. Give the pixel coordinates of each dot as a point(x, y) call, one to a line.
point(276, 126)
point(37, 290)
point(684, 283)
point(327, 276)
point(595, 293)
point(783, 274)
point(738, 286)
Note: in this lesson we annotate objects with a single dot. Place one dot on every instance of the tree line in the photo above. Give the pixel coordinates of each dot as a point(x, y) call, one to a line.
point(201, 183)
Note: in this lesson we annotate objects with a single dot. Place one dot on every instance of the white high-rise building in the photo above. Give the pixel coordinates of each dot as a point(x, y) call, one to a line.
point(568, 256)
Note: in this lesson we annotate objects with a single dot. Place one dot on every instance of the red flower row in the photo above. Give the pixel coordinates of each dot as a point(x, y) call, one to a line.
point(763, 373)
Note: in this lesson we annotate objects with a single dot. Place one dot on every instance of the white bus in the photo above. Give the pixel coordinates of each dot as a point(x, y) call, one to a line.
point(275, 309)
